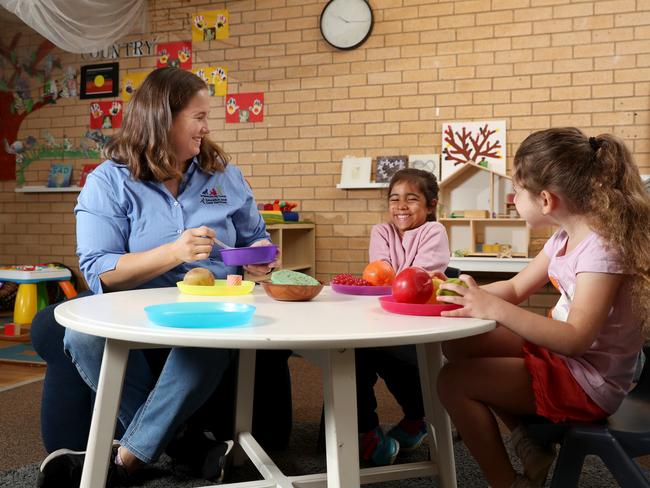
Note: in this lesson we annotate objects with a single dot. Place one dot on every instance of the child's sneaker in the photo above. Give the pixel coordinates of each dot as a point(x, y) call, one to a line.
point(409, 434)
point(535, 457)
point(378, 448)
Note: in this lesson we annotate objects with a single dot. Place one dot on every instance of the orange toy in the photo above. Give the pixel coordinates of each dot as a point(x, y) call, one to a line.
point(379, 273)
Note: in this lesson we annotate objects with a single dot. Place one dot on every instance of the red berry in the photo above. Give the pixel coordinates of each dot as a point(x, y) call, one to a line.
point(349, 280)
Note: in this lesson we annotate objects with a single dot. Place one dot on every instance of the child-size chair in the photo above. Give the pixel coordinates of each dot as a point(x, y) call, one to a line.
point(622, 437)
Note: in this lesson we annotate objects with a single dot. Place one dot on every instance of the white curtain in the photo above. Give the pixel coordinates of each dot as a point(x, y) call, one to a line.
point(81, 26)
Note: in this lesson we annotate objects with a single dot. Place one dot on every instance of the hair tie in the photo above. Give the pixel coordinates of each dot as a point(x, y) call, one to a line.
point(594, 144)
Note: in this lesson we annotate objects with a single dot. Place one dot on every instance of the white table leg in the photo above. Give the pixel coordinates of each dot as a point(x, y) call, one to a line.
point(430, 361)
point(244, 400)
point(341, 437)
point(107, 402)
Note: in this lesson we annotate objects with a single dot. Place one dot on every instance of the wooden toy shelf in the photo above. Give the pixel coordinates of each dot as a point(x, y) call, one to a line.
point(297, 243)
point(476, 232)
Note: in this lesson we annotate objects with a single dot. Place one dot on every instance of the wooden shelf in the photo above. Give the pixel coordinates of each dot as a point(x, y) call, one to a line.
point(297, 243)
point(362, 186)
point(47, 189)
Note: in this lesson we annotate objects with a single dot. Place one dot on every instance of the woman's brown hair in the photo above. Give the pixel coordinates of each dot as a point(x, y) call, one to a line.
point(597, 178)
point(143, 142)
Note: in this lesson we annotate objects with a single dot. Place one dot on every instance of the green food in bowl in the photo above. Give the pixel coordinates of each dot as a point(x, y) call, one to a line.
point(288, 277)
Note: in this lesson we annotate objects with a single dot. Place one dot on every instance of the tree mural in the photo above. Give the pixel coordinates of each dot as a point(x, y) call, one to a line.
point(464, 145)
point(17, 80)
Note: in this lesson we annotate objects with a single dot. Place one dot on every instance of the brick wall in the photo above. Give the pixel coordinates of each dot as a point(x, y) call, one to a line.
point(534, 63)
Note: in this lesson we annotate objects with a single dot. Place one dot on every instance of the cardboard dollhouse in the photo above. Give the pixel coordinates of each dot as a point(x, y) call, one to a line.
point(475, 206)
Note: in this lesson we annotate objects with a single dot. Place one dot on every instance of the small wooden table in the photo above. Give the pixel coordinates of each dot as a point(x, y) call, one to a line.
point(329, 328)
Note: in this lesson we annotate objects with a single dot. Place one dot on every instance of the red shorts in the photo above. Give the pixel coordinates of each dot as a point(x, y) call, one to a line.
point(558, 396)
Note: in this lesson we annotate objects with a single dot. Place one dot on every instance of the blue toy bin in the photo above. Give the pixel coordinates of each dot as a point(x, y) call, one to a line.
point(290, 216)
point(200, 315)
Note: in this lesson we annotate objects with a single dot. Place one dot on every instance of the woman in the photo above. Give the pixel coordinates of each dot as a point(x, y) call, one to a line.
point(145, 217)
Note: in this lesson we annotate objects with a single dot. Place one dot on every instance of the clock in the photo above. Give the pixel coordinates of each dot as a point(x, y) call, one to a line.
point(346, 24)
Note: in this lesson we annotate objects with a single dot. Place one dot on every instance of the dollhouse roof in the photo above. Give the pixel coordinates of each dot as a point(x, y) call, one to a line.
point(467, 167)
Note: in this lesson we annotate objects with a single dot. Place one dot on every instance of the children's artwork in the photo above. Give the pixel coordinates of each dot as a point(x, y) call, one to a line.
point(387, 166)
point(355, 171)
point(210, 25)
point(426, 162)
point(484, 143)
point(100, 80)
point(69, 83)
point(244, 107)
point(216, 77)
point(131, 83)
point(86, 169)
point(174, 54)
point(59, 175)
point(106, 115)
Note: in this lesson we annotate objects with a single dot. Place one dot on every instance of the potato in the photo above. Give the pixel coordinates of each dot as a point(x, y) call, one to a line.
point(199, 277)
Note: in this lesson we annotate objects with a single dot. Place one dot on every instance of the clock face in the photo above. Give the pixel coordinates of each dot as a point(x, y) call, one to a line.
point(346, 24)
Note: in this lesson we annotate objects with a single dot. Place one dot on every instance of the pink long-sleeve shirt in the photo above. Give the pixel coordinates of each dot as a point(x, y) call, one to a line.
point(426, 247)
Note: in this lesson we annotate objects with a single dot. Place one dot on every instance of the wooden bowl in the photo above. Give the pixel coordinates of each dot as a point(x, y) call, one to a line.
point(291, 293)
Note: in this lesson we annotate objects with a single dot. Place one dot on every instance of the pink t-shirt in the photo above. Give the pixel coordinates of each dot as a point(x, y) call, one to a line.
point(605, 371)
point(426, 247)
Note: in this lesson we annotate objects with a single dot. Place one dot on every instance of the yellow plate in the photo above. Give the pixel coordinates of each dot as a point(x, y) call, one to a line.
point(219, 289)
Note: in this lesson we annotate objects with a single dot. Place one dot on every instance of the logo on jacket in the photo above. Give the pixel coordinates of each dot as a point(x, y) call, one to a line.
point(211, 196)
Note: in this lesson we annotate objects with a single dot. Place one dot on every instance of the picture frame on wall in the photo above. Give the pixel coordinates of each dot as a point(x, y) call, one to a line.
point(355, 171)
point(426, 162)
point(100, 81)
point(387, 166)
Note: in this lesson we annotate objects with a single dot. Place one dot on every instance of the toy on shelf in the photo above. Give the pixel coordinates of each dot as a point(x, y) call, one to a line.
point(278, 212)
point(477, 209)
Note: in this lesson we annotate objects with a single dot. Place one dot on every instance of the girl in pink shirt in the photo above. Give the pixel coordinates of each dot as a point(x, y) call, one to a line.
point(411, 238)
point(577, 364)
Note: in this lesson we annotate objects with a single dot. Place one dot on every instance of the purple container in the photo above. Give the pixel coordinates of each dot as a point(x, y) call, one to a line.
point(240, 256)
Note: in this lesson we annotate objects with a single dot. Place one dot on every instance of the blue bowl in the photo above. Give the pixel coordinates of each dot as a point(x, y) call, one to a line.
point(200, 315)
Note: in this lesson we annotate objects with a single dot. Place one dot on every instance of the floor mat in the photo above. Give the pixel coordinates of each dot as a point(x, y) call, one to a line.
point(19, 353)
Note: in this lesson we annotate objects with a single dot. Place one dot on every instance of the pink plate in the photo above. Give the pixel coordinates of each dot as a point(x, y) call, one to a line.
point(389, 304)
point(362, 290)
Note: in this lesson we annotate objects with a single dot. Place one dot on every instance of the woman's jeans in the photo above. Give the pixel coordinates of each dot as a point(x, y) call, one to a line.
point(153, 411)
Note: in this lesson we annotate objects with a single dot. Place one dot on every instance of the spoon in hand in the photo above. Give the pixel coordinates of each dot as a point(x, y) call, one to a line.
point(219, 243)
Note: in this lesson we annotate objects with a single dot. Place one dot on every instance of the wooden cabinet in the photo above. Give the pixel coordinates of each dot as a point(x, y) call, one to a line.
point(297, 243)
point(472, 235)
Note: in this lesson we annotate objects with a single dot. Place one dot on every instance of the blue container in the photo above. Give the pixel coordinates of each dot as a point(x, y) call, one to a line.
point(200, 315)
point(290, 216)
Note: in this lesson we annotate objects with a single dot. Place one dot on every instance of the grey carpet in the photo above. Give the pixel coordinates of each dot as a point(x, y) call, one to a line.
point(302, 458)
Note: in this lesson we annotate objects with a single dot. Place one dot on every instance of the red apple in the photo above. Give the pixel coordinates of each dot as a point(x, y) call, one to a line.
point(412, 285)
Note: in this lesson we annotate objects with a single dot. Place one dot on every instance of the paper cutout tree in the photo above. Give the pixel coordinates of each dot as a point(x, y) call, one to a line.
point(463, 147)
point(16, 101)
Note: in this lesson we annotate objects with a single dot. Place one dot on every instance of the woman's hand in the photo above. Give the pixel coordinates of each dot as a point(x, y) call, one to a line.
point(262, 269)
point(475, 301)
point(193, 244)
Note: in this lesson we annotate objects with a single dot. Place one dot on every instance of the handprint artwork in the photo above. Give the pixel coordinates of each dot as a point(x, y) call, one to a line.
point(106, 115)
point(244, 107)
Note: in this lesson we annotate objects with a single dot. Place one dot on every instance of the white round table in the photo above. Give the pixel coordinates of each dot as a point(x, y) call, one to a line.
point(328, 328)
